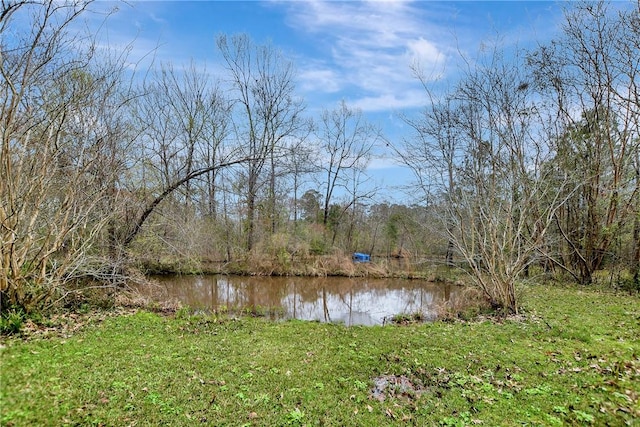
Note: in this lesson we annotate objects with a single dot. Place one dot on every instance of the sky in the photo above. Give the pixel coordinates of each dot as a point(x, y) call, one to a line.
point(359, 52)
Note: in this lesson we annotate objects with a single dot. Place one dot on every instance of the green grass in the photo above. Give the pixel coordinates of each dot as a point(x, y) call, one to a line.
point(574, 359)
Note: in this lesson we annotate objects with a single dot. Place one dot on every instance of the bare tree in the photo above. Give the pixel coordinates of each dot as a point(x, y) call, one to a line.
point(435, 153)
point(151, 205)
point(499, 220)
point(480, 155)
point(632, 43)
point(298, 162)
point(346, 141)
point(213, 147)
point(268, 113)
point(63, 136)
point(357, 198)
point(635, 246)
point(184, 120)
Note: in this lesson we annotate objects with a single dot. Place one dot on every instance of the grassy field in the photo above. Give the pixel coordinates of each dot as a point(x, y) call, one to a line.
point(573, 358)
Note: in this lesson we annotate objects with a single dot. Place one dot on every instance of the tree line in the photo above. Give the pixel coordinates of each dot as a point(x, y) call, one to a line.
point(530, 162)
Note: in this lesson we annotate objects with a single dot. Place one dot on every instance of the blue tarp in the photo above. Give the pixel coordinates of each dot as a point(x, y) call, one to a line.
point(360, 257)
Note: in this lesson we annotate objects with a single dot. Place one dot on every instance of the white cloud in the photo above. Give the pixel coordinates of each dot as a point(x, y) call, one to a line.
point(424, 52)
point(370, 47)
point(157, 19)
point(319, 79)
point(410, 98)
point(383, 163)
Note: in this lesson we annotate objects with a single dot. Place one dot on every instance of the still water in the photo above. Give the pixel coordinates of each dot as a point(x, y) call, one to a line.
point(352, 301)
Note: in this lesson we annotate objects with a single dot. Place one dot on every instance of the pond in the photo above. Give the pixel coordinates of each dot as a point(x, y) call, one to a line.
point(352, 301)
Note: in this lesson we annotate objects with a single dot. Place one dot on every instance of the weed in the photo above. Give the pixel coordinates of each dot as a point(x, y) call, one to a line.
point(583, 417)
point(183, 313)
point(295, 417)
point(11, 322)
point(405, 319)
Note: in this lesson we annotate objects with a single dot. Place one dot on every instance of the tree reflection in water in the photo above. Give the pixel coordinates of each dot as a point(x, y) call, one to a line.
point(352, 301)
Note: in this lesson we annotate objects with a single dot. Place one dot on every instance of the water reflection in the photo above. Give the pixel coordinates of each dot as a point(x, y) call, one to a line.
point(352, 301)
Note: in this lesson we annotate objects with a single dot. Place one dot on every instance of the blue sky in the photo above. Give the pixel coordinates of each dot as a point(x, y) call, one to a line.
point(360, 52)
point(357, 51)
